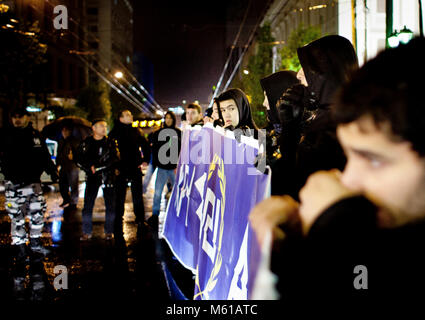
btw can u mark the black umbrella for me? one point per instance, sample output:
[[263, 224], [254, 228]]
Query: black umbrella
[[80, 127]]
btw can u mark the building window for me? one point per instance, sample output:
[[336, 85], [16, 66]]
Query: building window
[[92, 11], [60, 71], [381, 7], [71, 77]]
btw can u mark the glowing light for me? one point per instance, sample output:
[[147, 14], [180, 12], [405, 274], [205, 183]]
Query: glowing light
[[320, 6], [246, 71], [118, 75], [4, 8]]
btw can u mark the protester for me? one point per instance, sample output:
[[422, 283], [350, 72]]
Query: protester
[[98, 156], [166, 144], [194, 114], [308, 140], [362, 230], [274, 86], [134, 155], [235, 110], [68, 169], [24, 156]]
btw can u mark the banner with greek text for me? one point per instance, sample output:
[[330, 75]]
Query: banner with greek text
[[218, 182]]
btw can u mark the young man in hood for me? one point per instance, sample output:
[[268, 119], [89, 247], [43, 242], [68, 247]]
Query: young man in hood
[[362, 231], [308, 139], [166, 145]]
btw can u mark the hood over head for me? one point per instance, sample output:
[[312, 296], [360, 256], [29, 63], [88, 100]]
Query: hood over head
[[245, 116], [275, 85], [327, 63]]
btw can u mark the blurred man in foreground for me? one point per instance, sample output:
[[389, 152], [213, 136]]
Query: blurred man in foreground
[[358, 236]]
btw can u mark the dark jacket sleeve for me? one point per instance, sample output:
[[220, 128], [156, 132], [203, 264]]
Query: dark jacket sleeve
[[82, 159], [146, 148], [320, 265], [49, 165]]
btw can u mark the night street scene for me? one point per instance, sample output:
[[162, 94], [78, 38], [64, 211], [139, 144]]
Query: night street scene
[[193, 159]]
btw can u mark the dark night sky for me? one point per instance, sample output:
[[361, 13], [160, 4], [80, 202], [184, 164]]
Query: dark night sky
[[186, 42]]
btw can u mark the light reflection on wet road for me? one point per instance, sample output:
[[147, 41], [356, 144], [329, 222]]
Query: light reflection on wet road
[[97, 269]]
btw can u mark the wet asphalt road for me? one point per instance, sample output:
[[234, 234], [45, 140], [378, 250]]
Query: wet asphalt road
[[100, 270]]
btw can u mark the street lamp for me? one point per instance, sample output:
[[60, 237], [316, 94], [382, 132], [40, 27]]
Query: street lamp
[[118, 75], [393, 40], [403, 36], [246, 71]]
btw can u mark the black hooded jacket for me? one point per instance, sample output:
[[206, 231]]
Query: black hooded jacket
[[274, 86], [245, 117], [327, 64], [134, 148], [24, 155]]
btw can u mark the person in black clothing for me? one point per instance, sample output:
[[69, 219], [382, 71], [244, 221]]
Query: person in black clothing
[[98, 156], [308, 140], [134, 153], [24, 156], [233, 107], [361, 232], [68, 169], [234, 113], [166, 144], [274, 86]]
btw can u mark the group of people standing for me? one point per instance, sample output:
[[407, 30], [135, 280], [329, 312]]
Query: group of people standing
[[345, 145]]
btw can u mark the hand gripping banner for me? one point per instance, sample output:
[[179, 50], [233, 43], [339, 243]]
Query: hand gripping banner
[[218, 182]]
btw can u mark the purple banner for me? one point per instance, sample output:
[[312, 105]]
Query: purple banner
[[206, 225]]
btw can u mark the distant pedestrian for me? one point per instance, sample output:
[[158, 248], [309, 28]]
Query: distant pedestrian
[[98, 156], [68, 169], [166, 143], [135, 155]]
